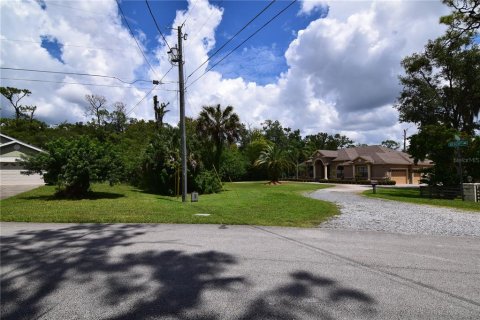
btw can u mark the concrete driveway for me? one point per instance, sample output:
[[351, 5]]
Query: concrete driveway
[[12, 183], [135, 271]]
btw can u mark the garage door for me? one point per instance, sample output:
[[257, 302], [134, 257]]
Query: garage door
[[10, 177], [399, 176], [416, 177]]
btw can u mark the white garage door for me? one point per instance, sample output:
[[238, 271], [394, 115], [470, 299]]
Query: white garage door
[[13, 177]]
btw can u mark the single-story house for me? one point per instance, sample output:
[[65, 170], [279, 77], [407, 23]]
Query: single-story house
[[11, 150], [366, 163]]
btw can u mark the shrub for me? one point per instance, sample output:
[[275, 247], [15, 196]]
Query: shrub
[[73, 164], [207, 182]]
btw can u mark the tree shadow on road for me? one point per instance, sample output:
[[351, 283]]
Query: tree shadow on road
[[308, 296], [37, 263], [146, 282]]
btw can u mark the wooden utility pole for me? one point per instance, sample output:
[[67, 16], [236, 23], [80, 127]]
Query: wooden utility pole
[[177, 57]]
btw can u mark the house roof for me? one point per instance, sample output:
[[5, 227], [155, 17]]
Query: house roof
[[11, 141], [372, 154]]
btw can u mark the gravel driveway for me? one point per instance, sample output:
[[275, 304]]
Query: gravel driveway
[[362, 213]]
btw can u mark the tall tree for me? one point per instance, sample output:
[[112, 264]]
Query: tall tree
[[442, 85], [219, 127], [465, 17], [118, 117], [14, 95], [441, 92], [96, 107], [28, 112], [325, 141], [391, 144]]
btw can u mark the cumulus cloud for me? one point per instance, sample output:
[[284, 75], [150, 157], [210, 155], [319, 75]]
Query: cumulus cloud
[[341, 71]]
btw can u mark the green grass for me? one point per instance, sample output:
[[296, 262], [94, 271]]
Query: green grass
[[251, 203], [412, 195]]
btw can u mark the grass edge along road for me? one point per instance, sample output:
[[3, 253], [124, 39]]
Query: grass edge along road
[[246, 203], [412, 195]]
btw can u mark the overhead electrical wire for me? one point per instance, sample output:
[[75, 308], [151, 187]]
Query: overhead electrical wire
[[234, 49], [134, 38], [156, 24], [79, 83], [148, 93], [75, 73], [233, 37]]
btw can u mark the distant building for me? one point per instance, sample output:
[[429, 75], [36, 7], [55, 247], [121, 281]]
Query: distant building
[[12, 150], [366, 163]]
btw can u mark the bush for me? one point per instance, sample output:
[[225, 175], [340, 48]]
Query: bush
[[73, 164], [207, 182], [232, 166]]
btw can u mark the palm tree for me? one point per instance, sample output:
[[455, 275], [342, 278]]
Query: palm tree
[[275, 160], [219, 127]]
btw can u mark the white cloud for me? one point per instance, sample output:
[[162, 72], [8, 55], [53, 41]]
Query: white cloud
[[341, 77]]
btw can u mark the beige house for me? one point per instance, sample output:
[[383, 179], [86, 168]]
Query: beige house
[[366, 163]]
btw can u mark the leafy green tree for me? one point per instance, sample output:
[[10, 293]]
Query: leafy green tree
[[74, 164], [275, 160], [465, 18], [391, 144], [118, 117], [14, 95], [160, 162], [325, 141], [441, 93], [441, 86], [232, 165], [220, 127]]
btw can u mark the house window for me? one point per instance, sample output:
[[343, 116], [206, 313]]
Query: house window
[[340, 172], [361, 172]]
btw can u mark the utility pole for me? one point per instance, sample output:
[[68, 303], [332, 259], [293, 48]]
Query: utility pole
[[405, 140], [178, 57]]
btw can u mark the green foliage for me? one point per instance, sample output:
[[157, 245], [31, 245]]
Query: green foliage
[[74, 164], [14, 95], [232, 165], [208, 182], [432, 142], [441, 94], [391, 144], [160, 162], [275, 161], [325, 141], [465, 18], [442, 85], [218, 127]]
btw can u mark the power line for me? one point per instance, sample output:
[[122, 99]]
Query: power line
[[134, 38], [75, 73], [231, 38], [149, 92], [156, 24], [253, 34], [79, 83]]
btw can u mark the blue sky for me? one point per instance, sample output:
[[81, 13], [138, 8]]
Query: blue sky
[[261, 59], [321, 66]]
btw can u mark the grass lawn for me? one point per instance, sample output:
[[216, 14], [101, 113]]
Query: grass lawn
[[249, 203], [412, 195]]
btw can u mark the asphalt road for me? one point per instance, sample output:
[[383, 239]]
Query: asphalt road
[[132, 271]]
